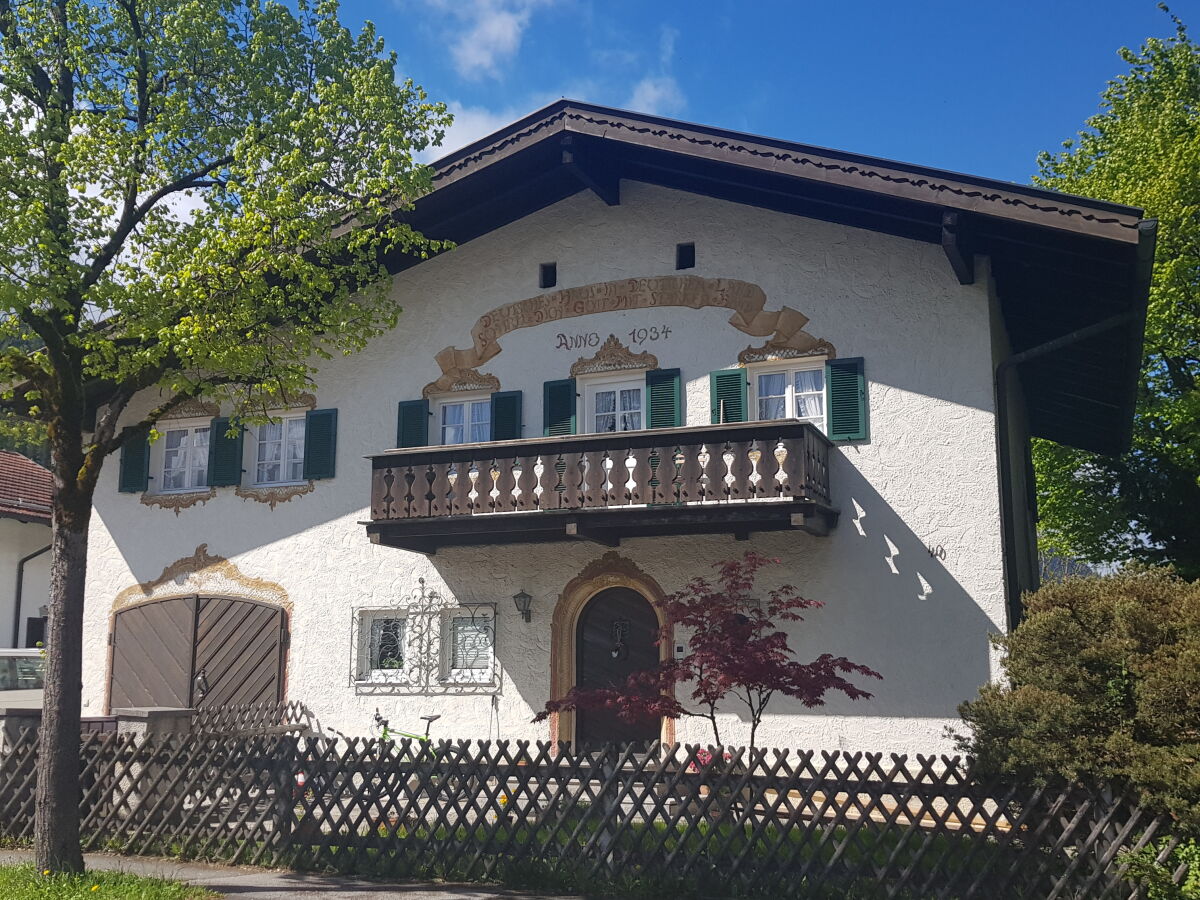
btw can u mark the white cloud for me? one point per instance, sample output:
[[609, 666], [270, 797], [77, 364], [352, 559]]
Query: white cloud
[[658, 93], [470, 124], [489, 32]]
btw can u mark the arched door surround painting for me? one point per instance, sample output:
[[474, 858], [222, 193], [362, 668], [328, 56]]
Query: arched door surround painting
[[201, 634], [598, 631]]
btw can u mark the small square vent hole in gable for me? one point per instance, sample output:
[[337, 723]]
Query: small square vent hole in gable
[[547, 275], [685, 256]]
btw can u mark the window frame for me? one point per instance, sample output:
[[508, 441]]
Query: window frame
[[364, 674], [788, 368], [466, 400], [191, 426], [447, 673], [281, 419], [591, 385]]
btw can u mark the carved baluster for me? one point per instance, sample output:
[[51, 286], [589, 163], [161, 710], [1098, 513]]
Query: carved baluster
[[794, 467], [657, 484], [381, 493], [691, 490], [473, 485], [423, 491], [639, 477], [557, 478], [439, 489], [526, 481], [497, 484], [740, 470], [572, 479], [405, 495], [675, 462], [594, 476]]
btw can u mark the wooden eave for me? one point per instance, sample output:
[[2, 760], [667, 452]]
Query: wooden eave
[[1059, 262]]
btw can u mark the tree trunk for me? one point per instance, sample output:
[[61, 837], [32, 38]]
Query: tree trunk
[[56, 811]]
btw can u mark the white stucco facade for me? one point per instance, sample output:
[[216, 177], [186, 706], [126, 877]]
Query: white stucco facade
[[911, 576]]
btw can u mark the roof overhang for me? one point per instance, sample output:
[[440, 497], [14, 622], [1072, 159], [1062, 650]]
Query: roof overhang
[[1060, 263]]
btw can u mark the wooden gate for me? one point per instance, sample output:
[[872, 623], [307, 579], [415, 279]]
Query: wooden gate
[[197, 652], [617, 636]]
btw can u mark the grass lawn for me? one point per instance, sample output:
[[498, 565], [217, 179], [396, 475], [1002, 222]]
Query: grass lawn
[[24, 883]]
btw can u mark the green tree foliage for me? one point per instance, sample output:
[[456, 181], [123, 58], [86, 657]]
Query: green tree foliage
[[197, 197], [1104, 686], [1143, 148]]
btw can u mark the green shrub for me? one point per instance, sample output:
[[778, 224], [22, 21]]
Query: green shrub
[[1104, 686]]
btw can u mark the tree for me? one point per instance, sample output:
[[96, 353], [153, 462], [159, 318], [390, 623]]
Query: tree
[[736, 650], [1103, 686], [198, 195], [1143, 148]]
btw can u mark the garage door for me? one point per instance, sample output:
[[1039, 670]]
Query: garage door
[[197, 652]]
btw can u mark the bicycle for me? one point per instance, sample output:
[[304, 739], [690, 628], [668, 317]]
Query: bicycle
[[386, 734]]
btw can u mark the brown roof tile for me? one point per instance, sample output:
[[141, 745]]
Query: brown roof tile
[[25, 488]]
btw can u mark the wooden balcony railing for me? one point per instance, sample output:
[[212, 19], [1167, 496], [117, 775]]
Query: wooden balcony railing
[[720, 478]]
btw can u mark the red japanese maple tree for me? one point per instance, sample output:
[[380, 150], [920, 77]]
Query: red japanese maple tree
[[736, 649]]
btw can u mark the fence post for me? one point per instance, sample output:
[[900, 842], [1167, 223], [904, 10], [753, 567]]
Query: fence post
[[149, 781], [144, 720], [14, 720]]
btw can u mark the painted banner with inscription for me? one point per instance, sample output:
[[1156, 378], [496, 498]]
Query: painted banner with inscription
[[784, 327]]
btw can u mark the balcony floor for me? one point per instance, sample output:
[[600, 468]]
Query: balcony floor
[[603, 526]]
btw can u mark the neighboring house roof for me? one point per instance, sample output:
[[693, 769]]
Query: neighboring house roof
[[1059, 263], [25, 489]]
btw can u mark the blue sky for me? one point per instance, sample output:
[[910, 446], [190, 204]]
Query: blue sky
[[967, 85]]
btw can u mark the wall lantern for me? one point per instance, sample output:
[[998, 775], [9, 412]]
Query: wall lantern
[[524, 603]]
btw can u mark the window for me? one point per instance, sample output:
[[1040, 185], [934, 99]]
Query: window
[[280, 454], [383, 647], [468, 642], [685, 256], [467, 421], [185, 459], [615, 405], [793, 393], [387, 643]]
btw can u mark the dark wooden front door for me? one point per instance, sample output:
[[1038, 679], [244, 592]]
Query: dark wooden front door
[[197, 652], [616, 637]]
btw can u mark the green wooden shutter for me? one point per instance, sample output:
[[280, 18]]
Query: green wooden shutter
[[506, 415], [558, 407], [727, 395], [224, 453], [665, 399], [135, 461], [412, 423], [846, 400], [320, 443]]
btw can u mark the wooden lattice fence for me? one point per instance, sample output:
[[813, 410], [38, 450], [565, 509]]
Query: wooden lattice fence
[[779, 824]]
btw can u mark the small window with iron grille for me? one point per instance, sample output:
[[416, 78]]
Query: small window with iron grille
[[469, 645], [382, 647]]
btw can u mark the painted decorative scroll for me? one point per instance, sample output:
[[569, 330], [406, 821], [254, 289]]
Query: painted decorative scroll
[[784, 328]]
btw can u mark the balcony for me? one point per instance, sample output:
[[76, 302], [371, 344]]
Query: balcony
[[718, 479]]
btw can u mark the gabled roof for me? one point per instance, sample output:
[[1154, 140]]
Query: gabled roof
[[25, 489], [1060, 263]]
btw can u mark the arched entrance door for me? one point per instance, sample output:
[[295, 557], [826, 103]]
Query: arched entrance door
[[197, 652], [616, 636]]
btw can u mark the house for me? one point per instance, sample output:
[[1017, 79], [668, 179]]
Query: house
[[656, 345], [25, 489]]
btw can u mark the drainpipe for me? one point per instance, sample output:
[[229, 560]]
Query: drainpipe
[[20, 589], [1147, 232]]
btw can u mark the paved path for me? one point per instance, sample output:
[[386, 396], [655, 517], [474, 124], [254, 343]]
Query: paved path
[[247, 883]]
